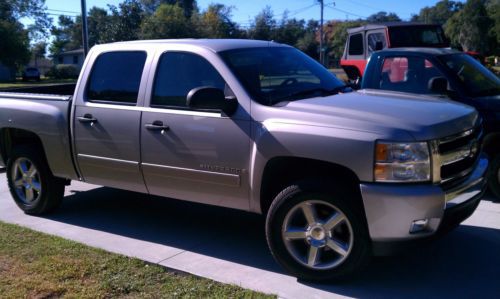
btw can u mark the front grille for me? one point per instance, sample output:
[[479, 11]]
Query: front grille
[[457, 155]]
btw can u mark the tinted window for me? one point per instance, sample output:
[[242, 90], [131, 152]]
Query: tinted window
[[180, 72], [417, 36], [356, 44], [116, 77], [275, 74], [373, 39], [408, 74], [474, 77]]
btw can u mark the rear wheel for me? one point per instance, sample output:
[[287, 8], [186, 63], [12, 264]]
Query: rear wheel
[[34, 189], [315, 233]]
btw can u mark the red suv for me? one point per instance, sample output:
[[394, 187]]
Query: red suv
[[364, 40]]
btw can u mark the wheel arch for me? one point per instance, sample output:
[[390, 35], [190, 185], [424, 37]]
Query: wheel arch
[[12, 137], [279, 172]]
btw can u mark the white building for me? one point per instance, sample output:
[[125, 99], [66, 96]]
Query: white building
[[73, 57]]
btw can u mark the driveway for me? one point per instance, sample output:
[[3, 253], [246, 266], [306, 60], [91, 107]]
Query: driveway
[[229, 246]]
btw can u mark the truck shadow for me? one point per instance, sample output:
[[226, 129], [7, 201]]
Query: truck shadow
[[464, 263]]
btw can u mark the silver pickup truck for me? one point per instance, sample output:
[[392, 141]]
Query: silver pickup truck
[[256, 126]]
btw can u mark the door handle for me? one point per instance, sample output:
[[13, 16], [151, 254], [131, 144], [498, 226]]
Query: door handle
[[157, 126], [87, 118]]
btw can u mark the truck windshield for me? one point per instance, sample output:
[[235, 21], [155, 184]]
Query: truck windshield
[[477, 80], [417, 36], [276, 74]]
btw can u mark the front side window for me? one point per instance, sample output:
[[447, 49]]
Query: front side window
[[408, 74], [180, 72], [116, 77], [276, 74], [474, 77], [356, 44]]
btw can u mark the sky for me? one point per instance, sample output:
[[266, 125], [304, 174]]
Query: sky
[[245, 10]]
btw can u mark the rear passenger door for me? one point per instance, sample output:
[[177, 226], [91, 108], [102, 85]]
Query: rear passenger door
[[107, 121], [200, 156]]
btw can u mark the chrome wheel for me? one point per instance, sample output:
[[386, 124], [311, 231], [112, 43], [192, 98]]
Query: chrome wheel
[[26, 179], [317, 234]]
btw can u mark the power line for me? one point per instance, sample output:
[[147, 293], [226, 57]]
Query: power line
[[67, 11], [345, 11]]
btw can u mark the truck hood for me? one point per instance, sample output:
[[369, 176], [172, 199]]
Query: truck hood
[[386, 113]]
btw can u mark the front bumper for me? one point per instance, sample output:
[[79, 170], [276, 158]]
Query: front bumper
[[393, 209]]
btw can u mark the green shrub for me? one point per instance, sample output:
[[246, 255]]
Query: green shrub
[[63, 71]]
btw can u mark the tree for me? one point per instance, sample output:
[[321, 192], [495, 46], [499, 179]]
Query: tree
[[470, 28], [383, 16], [289, 31], [308, 43], [493, 9], [215, 22], [188, 6], [14, 37], [67, 35], [439, 13], [38, 50], [168, 21], [263, 26], [126, 21]]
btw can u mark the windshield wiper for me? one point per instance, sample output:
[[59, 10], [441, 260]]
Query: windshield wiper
[[303, 93]]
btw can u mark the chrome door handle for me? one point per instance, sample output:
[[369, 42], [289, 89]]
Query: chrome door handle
[[157, 126], [87, 118]]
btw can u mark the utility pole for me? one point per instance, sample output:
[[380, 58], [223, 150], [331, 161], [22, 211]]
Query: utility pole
[[85, 33], [321, 50]]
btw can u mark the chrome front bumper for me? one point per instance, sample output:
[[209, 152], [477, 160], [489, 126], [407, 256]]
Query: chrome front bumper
[[392, 210]]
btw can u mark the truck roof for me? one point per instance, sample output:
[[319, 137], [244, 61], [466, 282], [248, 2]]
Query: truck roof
[[384, 25], [215, 45], [428, 51]]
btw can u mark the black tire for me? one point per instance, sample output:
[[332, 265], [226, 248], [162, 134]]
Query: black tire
[[313, 191], [51, 189], [494, 177]]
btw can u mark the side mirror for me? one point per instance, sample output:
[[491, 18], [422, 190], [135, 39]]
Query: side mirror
[[211, 98], [438, 85], [379, 45]]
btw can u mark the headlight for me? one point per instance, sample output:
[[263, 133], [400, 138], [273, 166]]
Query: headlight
[[402, 162]]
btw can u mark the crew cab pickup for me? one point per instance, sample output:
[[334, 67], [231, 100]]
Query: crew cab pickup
[[256, 126], [446, 74], [364, 40]]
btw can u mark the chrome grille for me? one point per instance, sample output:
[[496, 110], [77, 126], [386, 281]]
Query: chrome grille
[[455, 157]]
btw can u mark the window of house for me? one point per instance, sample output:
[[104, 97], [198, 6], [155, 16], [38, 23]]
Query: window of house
[[356, 44], [75, 59], [60, 59], [180, 72], [116, 77]]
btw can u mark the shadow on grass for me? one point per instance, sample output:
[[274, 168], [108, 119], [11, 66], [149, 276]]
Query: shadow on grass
[[464, 263]]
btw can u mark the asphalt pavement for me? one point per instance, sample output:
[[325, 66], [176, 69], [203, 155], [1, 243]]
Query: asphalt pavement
[[229, 246]]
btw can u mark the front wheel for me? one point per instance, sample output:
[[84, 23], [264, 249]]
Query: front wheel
[[494, 177], [315, 233], [34, 189]]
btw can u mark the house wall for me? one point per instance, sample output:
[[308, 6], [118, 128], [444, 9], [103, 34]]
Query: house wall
[[69, 59]]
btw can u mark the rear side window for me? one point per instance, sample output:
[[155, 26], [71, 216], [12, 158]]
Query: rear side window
[[178, 73], [373, 39], [116, 77], [356, 44]]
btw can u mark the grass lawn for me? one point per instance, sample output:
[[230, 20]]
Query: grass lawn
[[37, 265], [20, 83]]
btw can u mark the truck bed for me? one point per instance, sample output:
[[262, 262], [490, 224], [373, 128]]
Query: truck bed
[[66, 89], [43, 111]]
